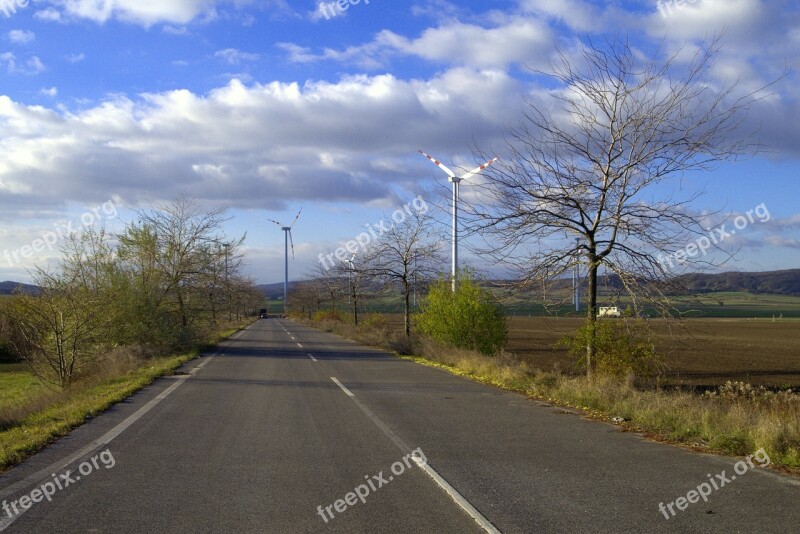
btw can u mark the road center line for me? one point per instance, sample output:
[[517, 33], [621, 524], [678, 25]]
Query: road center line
[[312, 357], [347, 391], [459, 499]]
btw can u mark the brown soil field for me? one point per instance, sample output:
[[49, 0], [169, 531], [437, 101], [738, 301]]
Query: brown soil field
[[697, 352]]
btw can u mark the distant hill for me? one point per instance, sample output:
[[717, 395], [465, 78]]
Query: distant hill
[[8, 288], [274, 291], [771, 282]]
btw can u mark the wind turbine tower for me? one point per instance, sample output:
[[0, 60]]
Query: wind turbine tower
[[456, 181], [287, 238]]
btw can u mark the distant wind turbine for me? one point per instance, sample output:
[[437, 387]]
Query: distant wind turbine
[[287, 237], [456, 181]]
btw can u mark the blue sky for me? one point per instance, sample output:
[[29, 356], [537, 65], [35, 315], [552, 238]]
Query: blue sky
[[267, 106]]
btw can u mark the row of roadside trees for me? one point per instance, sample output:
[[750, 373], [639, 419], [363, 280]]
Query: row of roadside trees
[[162, 284]]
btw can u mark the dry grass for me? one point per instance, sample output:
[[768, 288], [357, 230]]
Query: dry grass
[[729, 422]]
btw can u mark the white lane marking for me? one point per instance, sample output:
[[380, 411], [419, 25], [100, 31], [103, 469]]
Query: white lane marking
[[312, 357], [299, 344], [347, 391], [459, 499], [103, 440], [203, 364]]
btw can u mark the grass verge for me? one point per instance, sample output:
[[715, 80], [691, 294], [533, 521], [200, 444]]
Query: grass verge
[[51, 415], [737, 419]]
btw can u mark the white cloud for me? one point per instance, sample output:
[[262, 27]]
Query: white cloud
[[251, 146], [783, 242], [518, 40], [75, 58], [34, 65], [235, 57], [579, 15], [148, 12], [49, 91], [510, 41], [49, 14], [31, 66], [21, 36], [692, 20], [175, 30]]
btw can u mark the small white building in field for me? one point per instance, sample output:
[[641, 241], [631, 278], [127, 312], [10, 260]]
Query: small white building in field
[[609, 311]]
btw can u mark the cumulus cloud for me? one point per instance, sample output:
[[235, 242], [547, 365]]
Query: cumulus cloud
[[250, 146], [21, 36], [783, 242], [235, 57], [510, 41], [75, 58], [144, 12], [49, 14], [31, 66]]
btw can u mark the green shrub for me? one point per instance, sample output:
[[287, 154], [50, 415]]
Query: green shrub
[[621, 348], [375, 321], [327, 315], [470, 318]]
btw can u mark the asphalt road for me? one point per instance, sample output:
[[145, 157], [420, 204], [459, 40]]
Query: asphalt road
[[286, 429]]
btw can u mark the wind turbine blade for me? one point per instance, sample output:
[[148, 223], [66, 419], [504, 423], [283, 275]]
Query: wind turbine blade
[[441, 165], [276, 222], [291, 241], [473, 172], [295, 219]]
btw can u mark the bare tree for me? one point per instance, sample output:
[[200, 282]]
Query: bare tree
[[306, 297], [67, 326], [407, 255], [329, 283], [355, 273], [182, 267], [594, 169], [179, 244]]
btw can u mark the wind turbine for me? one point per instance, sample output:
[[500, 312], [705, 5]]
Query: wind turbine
[[456, 181], [287, 237]]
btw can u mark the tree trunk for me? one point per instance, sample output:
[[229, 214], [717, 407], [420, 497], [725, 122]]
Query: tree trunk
[[407, 310], [355, 306], [591, 313]]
